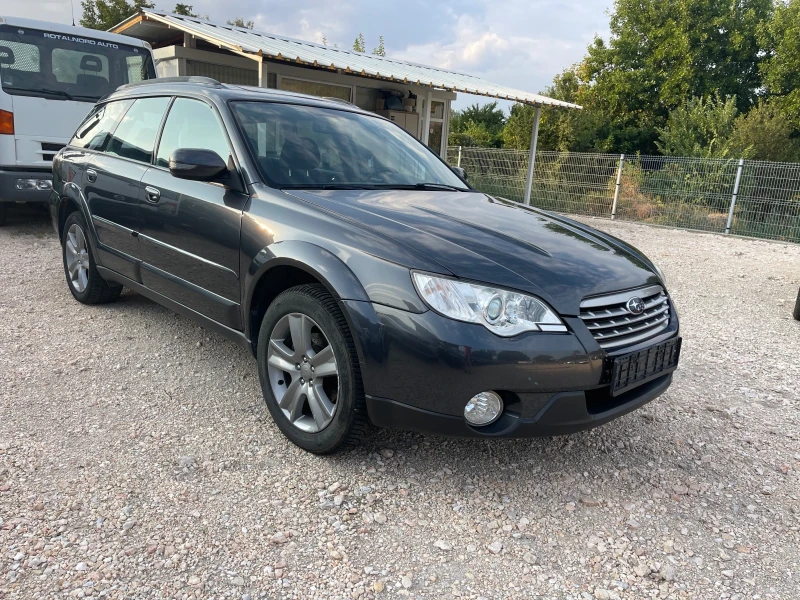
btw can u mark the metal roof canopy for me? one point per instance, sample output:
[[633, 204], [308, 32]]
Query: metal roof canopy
[[256, 44]]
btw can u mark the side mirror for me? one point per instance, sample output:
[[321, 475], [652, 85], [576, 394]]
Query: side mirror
[[460, 172], [197, 164]]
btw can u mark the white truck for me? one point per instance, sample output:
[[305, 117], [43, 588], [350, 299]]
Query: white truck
[[50, 77]]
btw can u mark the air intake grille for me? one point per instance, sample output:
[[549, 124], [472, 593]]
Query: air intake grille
[[50, 150], [613, 325]]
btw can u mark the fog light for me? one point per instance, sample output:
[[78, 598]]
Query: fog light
[[34, 184], [483, 409]]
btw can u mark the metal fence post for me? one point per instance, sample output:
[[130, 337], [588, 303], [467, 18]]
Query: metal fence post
[[458, 164], [616, 189], [735, 194]]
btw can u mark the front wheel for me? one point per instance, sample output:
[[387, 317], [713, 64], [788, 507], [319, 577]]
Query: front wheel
[[796, 313], [309, 373], [83, 279]]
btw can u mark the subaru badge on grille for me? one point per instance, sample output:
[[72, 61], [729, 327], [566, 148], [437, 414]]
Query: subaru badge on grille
[[635, 306]]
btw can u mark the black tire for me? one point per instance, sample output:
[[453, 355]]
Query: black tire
[[796, 313], [350, 423], [3, 214], [98, 290]]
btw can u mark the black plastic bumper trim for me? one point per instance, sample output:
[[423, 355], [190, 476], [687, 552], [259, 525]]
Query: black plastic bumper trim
[[564, 413]]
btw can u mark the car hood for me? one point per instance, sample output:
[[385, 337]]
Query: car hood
[[482, 238]]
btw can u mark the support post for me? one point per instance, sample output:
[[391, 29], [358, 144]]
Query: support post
[[616, 189], [735, 194], [458, 164], [426, 123], [262, 73], [532, 157]]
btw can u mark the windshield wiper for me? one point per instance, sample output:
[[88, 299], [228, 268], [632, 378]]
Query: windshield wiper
[[374, 186], [38, 91], [328, 186], [420, 186]]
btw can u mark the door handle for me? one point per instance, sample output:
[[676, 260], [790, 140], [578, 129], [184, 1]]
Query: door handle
[[152, 194], [91, 175]]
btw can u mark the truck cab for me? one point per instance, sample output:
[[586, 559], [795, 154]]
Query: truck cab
[[51, 75]]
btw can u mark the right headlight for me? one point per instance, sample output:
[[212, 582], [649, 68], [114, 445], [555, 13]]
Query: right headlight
[[503, 312]]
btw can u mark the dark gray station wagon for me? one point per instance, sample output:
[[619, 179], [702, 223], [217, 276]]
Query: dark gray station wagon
[[374, 286]]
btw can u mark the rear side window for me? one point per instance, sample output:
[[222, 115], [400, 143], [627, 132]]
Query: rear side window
[[191, 124], [136, 135], [97, 128]]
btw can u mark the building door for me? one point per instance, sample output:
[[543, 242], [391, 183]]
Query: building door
[[437, 135]]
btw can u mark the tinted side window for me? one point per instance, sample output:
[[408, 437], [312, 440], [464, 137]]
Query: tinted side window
[[191, 124], [97, 128], [136, 135]]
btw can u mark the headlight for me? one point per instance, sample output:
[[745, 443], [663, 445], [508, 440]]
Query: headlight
[[502, 312]]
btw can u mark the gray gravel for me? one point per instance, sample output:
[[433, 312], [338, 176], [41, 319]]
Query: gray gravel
[[137, 460]]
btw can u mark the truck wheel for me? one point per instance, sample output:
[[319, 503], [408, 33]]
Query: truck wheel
[[3, 213]]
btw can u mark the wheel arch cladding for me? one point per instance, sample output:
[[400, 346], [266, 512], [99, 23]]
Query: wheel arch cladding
[[284, 265]]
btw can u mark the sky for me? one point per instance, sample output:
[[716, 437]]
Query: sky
[[519, 43]]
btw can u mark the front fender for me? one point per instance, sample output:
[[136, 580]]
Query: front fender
[[313, 259]]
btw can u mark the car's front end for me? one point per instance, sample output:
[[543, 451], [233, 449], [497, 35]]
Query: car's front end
[[425, 372], [534, 326]]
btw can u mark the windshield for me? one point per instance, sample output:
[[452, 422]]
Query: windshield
[[311, 147], [60, 66]]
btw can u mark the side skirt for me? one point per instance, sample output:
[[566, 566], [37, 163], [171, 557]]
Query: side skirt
[[210, 324]]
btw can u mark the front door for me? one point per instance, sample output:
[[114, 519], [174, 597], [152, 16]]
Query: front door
[[189, 231], [112, 176]]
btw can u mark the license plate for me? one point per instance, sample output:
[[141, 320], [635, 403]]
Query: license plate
[[640, 367]]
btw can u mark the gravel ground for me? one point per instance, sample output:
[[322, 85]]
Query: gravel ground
[[137, 460]]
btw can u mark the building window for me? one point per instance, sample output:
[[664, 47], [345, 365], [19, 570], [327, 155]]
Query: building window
[[316, 88]]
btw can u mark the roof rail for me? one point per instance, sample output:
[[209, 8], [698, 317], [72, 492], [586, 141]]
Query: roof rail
[[335, 99], [157, 80]]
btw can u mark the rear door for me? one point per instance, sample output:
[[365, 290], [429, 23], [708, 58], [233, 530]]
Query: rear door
[[112, 183], [190, 230]]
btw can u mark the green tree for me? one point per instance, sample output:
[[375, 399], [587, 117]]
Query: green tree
[[781, 69], [359, 45], [766, 133], [381, 49], [559, 129], [477, 125], [701, 128], [104, 14], [184, 9], [240, 22], [661, 53]]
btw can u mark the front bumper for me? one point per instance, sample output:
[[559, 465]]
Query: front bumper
[[8, 186], [419, 370]]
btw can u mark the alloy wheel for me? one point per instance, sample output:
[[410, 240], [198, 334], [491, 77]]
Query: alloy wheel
[[77, 255], [302, 372]]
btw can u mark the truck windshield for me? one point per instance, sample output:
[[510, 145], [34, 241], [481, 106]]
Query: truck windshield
[[311, 147], [66, 67]]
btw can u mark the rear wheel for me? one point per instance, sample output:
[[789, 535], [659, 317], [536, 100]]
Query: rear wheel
[[309, 372], [83, 279], [796, 313], [3, 213]]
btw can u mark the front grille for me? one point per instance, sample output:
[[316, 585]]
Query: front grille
[[614, 326], [50, 150]]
